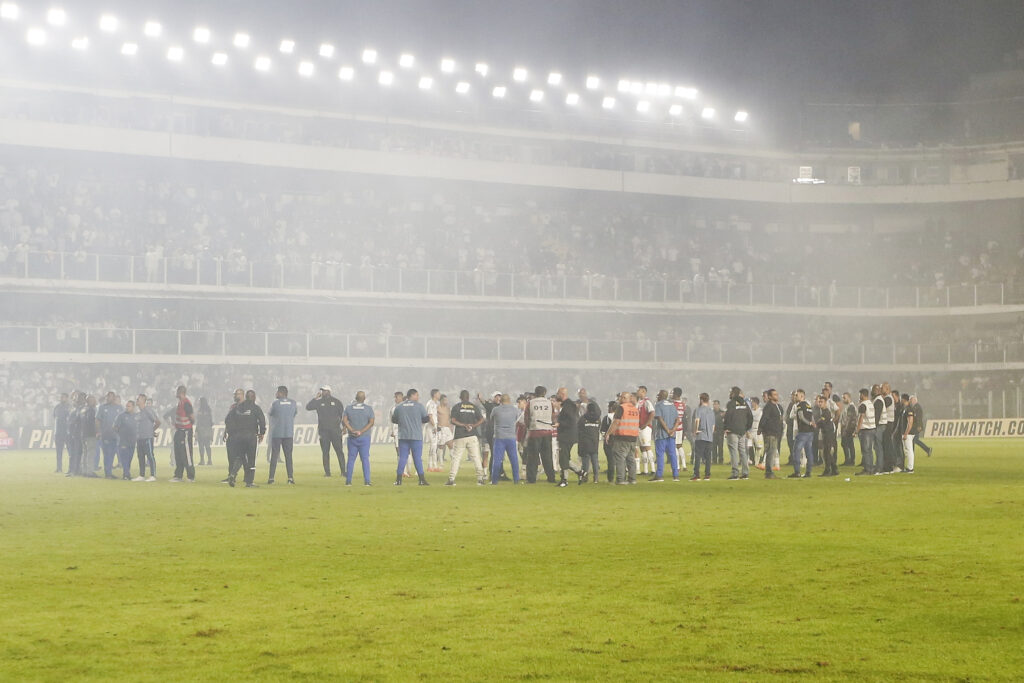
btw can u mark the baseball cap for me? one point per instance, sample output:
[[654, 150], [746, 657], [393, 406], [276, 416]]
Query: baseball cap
[[325, 387]]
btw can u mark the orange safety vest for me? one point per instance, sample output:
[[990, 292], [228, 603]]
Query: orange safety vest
[[629, 423]]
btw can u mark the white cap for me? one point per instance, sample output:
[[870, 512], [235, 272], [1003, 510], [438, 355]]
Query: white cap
[[326, 387], [496, 393]]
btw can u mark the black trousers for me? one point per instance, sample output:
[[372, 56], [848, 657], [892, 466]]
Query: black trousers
[[328, 439], [827, 441], [849, 450], [244, 457], [205, 444], [718, 456], [538, 451], [59, 442], [277, 445], [889, 448], [565, 457], [76, 464], [184, 461], [610, 459]]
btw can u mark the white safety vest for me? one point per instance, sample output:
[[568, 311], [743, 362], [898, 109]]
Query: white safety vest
[[869, 414]]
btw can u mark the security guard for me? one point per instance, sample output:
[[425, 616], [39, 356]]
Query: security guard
[[245, 426]]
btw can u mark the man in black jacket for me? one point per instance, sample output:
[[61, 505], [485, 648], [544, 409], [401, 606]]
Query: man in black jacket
[[738, 421], [718, 448], [771, 427], [329, 411], [245, 425], [826, 430]]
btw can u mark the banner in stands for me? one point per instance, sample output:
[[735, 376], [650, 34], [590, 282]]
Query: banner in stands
[[305, 435], [982, 429]]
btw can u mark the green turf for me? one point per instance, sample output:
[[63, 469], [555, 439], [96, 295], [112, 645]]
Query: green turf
[[881, 578]]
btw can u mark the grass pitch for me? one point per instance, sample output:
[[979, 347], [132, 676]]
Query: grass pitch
[[880, 578]]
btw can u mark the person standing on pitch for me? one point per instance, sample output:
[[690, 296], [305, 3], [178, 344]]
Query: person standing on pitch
[[184, 458], [74, 441], [738, 421], [105, 416], [666, 420], [328, 416], [590, 441], [567, 436], [866, 431], [827, 437], [804, 441], [704, 436], [430, 432], [358, 420], [881, 428], [60, 430], [718, 455], [204, 431], [410, 416], [148, 423], [847, 429], [910, 431], [90, 437], [247, 424], [282, 432], [609, 456], [504, 418], [918, 411], [127, 431], [623, 434], [230, 444], [771, 427], [645, 458], [466, 417], [683, 426], [540, 427]]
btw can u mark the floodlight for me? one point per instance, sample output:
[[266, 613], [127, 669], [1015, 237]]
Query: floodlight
[[386, 78], [482, 68], [406, 60], [241, 40], [108, 23], [643, 106], [80, 43], [35, 36], [201, 35], [426, 82], [572, 99], [56, 17], [636, 87], [499, 91], [306, 69], [447, 65], [262, 63], [9, 11], [129, 49], [219, 59], [707, 113], [676, 110], [287, 46], [554, 78], [346, 73], [369, 56], [608, 103], [519, 74], [623, 86], [536, 95], [593, 82], [152, 29], [741, 116], [462, 87], [326, 50], [686, 93], [175, 53]]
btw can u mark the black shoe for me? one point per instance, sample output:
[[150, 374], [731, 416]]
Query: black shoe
[[769, 475], [291, 481], [734, 477], [226, 480], [929, 452], [744, 476], [807, 475], [398, 482], [795, 475], [563, 483], [269, 482], [231, 482], [423, 482], [450, 482], [503, 477]]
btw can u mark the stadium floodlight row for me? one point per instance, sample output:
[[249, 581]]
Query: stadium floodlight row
[[537, 87]]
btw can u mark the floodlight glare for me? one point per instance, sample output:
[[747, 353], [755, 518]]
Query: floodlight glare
[[676, 110], [129, 49], [108, 23], [664, 90], [499, 91], [519, 74], [287, 46], [636, 87], [175, 53], [56, 17], [426, 82], [536, 95], [326, 50], [80, 43], [623, 86], [686, 93], [369, 56], [219, 59], [152, 29], [707, 113], [447, 65], [262, 63], [650, 88], [462, 87], [35, 36], [346, 73], [482, 68], [572, 99], [201, 35], [306, 69], [9, 11], [608, 103], [741, 116], [241, 40], [406, 61], [386, 78], [554, 78], [643, 106], [593, 82]]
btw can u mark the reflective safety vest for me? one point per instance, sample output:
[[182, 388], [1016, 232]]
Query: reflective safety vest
[[629, 423]]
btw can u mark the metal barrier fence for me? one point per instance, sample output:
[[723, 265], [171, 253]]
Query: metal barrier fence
[[103, 341], [336, 277]]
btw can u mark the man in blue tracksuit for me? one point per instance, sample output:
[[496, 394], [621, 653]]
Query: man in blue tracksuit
[[410, 416], [666, 419], [358, 420], [105, 416], [126, 427], [282, 432]]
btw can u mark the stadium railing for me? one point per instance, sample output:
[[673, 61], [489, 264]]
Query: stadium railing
[[336, 277]]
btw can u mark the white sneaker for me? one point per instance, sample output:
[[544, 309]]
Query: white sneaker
[[139, 479], [150, 478]]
